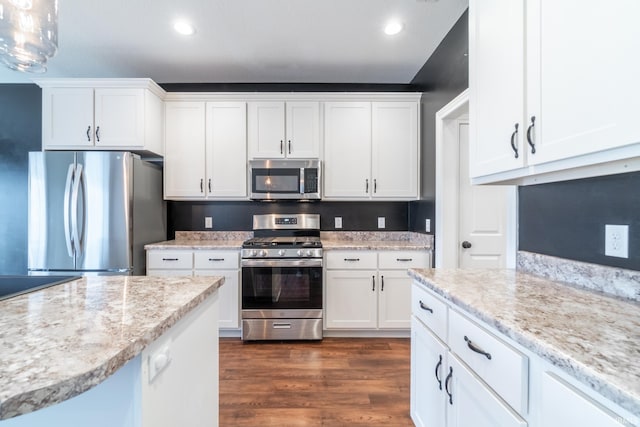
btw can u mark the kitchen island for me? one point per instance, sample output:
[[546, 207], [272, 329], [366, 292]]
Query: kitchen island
[[117, 350], [586, 339]]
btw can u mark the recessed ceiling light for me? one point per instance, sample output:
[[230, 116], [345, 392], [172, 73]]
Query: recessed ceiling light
[[184, 28], [392, 28]]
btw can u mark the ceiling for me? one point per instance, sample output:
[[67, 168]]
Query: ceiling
[[247, 41]]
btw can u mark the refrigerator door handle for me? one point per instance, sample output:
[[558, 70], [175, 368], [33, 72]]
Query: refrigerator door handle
[[67, 196], [74, 208]]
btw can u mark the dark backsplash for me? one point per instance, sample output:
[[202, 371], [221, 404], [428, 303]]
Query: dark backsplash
[[567, 219], [230, 215]]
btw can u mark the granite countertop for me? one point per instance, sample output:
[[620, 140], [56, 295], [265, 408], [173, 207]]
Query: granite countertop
[[196, 245], [592, 336], [375, 240], [60, 341]]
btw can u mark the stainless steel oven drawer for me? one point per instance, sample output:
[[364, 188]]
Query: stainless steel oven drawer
[[281, 329]]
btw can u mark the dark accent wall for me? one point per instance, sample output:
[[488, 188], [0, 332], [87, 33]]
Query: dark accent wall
[[443, 77], [20, 132], [229, 216], [567, 219]]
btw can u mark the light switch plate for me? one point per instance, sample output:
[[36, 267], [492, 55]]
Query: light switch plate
[[616, 241], [208, 222], [338, 222], [381, 222]]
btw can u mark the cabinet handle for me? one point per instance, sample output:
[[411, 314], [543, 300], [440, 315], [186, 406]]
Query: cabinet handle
[[404, 259], [201, 185], [425, 308], [281, 142], [98, 134], [438, 365], [216, 259], [373, 279], [289, 146], [366, 189], [513, 141], [170, 259], [477, 349], [381, 283], [375, 185], [529, 137], [352, 259], [446, 385], [88, 133], [209, 185]]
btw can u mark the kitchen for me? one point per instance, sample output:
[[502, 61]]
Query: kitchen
[[569, 220]]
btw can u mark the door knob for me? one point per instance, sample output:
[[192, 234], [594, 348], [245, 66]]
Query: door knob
[[466, 244]]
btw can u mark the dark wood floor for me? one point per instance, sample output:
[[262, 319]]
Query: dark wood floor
[[335, 382]]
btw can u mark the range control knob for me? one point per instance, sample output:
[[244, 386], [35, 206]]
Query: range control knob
[[281, 252], [299, 253], [309, 252], [263, 253], [253, 252]]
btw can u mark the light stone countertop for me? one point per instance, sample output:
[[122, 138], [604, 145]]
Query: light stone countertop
[[376, 240], [592, 336], [60, 341], [196, 245]]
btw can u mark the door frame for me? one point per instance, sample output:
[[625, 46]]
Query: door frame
[[448, 119]]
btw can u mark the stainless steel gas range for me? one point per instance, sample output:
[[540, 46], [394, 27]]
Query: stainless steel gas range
[[282, 278]]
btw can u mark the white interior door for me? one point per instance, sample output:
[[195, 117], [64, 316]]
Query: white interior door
[[482, 237]]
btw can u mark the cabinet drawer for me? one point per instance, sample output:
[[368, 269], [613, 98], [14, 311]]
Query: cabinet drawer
[[216, 260], [352, 260], [403, 259], [430, 310], [170, 259], [501, 366]]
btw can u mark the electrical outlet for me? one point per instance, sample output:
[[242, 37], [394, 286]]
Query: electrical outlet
[[427, 225], [208, 222], [616, 241], [381, 222], [337, 222]]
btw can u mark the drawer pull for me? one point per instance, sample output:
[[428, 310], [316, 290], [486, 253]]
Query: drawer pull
[[425, 308], [404, 259], [282, 326], [437, 369], [475, 348], [446, 385], [352, 259], [216, 259], [170, 259]]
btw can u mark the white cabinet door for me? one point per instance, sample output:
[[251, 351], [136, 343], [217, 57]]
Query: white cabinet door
[[228, 296], [302, 130], [428, 364], [586, 77], [562, 406], [351, 299], [67, 118], [184, 159], [394, 155], [226, 149], [119, 118], [394, 299], [471, 403], [347, 150], [496, 82], [266, 129]]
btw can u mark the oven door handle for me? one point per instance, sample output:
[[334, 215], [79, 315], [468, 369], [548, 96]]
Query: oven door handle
[[281, 262]]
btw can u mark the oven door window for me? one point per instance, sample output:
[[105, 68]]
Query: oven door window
[[281, 288], [275, 180]]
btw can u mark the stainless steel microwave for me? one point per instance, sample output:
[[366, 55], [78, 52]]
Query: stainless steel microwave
[[285, 179]]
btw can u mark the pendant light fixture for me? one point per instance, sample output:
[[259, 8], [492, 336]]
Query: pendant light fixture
[[28, 34]]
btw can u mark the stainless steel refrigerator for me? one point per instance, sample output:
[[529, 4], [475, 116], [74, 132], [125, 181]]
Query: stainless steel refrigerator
[[92, 212]]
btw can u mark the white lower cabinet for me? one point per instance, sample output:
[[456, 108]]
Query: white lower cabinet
[[370, 289], [465, 373], [225, 263]]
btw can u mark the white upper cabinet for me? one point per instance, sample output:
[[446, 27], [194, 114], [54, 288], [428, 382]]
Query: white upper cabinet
[[562, 72], [205, 153], [371, 150], [284, 129], [116, 114]]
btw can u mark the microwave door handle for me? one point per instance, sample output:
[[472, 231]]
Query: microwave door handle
[[301, 180]]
